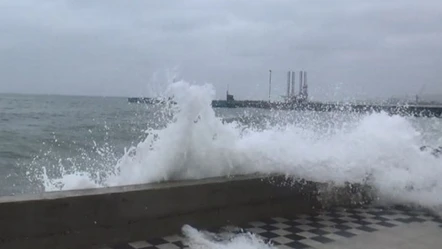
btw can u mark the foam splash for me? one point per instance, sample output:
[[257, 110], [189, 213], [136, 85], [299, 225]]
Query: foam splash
[[194, 145], [205, 240], [198, 144]]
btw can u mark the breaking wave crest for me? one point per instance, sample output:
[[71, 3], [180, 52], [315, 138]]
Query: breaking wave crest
[[322, 147]]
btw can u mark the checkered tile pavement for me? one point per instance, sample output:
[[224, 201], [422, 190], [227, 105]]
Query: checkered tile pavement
[[308, 231]]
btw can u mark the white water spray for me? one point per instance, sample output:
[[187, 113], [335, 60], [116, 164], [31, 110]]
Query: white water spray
[[205, 240], [197, 144]]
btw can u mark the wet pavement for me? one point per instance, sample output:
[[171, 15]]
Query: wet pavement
[[358, 228]]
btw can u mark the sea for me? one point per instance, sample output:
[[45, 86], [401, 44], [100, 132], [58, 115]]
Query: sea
[[53, 143]]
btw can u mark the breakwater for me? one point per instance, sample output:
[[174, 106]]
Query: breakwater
[[414, 110], [405, 110]]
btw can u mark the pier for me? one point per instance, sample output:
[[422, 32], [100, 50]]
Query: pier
[[404, 110], [300, 102]]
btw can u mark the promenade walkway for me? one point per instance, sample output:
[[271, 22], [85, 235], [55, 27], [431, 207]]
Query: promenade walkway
[[359, 228]]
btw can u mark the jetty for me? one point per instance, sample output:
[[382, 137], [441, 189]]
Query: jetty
[[301, 105], [404, 110], [300, 102]]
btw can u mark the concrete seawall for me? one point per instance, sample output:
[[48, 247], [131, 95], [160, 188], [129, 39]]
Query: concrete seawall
[[91, 218]]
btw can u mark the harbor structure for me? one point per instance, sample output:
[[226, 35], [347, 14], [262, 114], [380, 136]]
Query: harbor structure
[[300, 102]]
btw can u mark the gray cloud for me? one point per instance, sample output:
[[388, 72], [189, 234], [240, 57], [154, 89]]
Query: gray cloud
[[349, 47]]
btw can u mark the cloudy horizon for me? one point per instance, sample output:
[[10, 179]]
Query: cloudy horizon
[[350, 48]]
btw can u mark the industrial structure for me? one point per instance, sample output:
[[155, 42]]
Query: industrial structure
[[289, 100], [303, 87]]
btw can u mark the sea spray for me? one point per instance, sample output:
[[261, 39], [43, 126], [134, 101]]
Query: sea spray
[[225, 240], [195, 144], [376, 149]]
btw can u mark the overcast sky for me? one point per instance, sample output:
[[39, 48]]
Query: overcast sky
[[117, 47]]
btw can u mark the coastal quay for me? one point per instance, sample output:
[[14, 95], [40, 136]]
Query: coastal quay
[[406, 110], [300, 102]]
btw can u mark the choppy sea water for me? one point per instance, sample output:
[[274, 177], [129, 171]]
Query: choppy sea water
[[50, 143], [52, 131]]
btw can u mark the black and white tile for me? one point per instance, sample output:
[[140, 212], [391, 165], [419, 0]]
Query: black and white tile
[[310, 231]]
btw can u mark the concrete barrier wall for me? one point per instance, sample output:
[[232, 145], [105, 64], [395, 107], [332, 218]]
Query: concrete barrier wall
[[91, 218]]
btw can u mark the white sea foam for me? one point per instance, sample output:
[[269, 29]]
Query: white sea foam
[[197, 144], [205, 240]]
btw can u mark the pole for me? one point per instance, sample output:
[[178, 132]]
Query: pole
[[305, 78], [300, 83], [305, 87], [288, 84], [270, 83], [293, 84]]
